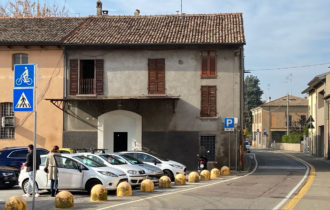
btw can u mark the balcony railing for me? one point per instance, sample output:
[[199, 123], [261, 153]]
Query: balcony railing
[[86, 86]]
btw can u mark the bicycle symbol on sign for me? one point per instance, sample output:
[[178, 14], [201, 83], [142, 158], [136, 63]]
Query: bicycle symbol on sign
[[24, 78]]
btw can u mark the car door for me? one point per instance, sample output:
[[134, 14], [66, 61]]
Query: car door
[[69, 177], [41, 176]]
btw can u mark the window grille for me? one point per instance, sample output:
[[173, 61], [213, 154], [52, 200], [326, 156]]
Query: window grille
[[208, 144], [7, 121]]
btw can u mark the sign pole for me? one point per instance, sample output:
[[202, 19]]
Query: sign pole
[[236, 151], [229, 150], [34, 141]]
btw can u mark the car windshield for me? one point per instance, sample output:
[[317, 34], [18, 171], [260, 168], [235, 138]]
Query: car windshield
[[113, 160], [88, 161], [131, 159]]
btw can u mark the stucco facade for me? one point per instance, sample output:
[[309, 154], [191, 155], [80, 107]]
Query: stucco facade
[[50, 66], [173, 121], [318, 108], [270, 120]]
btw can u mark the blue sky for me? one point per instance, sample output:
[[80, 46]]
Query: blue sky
[[279, 33]]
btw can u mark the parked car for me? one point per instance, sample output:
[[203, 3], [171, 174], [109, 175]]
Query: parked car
[[135, 174], [66, 150], [75, 172], [15, 156], [8, 176], [153, 173], [169, 167]]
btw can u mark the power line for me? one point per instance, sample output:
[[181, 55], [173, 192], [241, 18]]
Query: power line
[[291, 67]]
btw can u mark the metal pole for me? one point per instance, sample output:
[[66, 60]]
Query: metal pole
[[287, 115], [34, 142], [236, 151], [229, 150], [181, 7]]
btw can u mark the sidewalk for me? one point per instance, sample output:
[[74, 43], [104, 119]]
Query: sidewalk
[[318, 195]]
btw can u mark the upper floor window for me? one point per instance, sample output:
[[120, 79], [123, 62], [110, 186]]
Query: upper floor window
[[86, 76], [7, 121], [156, 76], [19, 58], [208, 64], [208, 101]]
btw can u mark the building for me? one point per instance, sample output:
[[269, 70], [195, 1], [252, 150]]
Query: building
[[270, 119], [31, 40], [318, 108], [163, 83]]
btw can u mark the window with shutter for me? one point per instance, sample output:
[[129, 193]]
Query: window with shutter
[[156, 76], [99, 68], [208, 101], [73, 76], [208, 64]]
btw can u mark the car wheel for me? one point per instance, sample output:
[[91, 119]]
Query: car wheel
[[169, 174], [25, 185], [91, 183]]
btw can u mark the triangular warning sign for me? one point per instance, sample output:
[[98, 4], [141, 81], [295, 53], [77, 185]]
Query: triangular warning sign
[[23, 102]]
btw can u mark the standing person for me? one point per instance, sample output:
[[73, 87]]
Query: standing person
[[51, 169], [29, 169]]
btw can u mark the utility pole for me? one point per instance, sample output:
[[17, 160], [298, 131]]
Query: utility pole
[[287, 113]]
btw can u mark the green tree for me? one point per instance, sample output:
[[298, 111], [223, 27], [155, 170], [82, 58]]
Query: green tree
[[31, 8], [252, 99]]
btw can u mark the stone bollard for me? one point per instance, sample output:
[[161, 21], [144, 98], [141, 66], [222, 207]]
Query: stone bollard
[[180, 179], [15, 203], [215, 173], [205, 175], [64, 200], [124, 189], [99, 193], [225, 170], [164, 182], [147, 186], [193, 177]]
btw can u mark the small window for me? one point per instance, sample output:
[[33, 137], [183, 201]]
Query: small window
[[20, 58], [7, 121], [321, 99], [208, 147], [19, 154], [208, 64]]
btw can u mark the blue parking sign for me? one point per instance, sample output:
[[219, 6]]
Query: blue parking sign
[[23, 100], [24, 75], [229, 124]]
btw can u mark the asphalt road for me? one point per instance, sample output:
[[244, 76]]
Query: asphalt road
[[276, 175]]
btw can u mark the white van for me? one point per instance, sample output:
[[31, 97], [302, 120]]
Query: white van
[[75, 172]]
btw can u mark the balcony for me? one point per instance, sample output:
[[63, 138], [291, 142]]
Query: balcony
[[86, 86]]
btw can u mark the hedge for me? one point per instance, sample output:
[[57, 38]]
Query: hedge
[[292, 138]]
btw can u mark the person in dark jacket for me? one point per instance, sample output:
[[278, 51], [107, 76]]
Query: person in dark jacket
[[29, 169]]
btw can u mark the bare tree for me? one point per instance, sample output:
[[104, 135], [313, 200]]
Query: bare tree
[[31, 8]]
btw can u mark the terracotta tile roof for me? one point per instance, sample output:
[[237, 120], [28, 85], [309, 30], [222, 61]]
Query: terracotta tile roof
[[38, 31], [315, 82], [216, 29], [295, 101]]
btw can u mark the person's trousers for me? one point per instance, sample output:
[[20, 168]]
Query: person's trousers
[[53, 186], [31, 182]]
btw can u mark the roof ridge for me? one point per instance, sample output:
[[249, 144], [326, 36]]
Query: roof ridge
[[1, 17], [168, 15]]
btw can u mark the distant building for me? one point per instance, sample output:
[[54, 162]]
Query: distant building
[[270, 119], [318, 108]]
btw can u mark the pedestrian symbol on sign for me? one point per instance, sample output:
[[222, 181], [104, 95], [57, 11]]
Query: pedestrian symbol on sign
[[23, 102]]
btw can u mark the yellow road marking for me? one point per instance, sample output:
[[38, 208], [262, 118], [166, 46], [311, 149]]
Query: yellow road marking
[[293, 202]]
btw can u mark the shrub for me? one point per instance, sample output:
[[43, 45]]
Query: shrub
[[292, 138]]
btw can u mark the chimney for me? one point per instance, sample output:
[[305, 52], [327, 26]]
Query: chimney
[[98, 8], [137, 12]]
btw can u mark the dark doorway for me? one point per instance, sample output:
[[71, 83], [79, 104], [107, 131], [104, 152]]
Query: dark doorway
[[119, 141]]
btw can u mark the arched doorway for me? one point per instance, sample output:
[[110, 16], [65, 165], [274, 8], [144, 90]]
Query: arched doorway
[[119, 130]]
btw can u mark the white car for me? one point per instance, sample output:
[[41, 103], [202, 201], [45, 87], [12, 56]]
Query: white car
[[135, 174], [169, 167], [75, 172], [153, 173]]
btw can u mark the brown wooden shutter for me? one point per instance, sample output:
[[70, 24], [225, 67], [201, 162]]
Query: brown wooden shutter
[[152, 76], [160, 76], [99, 78], [212, 101], [204, 101], [204, 64], [74, 76], [213, 68]]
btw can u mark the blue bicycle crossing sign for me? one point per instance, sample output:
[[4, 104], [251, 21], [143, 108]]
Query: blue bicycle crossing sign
[[24, 75], [23, 100]]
